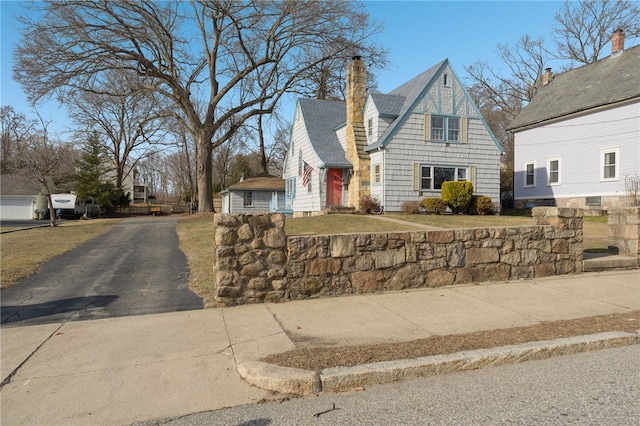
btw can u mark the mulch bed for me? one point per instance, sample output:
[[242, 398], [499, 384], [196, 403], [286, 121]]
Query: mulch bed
[[316, 359]]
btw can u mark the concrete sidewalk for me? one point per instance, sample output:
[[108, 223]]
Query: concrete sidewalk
[[123, 370]]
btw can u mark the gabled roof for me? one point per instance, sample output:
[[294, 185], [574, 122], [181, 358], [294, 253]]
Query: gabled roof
[[262, 182], [410, 92], [610, 80], [18, 185], [321, 119], [388, 105]]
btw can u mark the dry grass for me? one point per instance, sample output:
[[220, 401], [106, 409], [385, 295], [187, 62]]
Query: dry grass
[[340, 224], [22, 252], [319, 358], [196, 235]]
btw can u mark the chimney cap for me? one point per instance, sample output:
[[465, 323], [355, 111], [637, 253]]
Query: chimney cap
[[356, 57]]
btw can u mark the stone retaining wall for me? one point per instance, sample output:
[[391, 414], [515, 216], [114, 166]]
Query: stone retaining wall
[[254, 261], [624, 230]]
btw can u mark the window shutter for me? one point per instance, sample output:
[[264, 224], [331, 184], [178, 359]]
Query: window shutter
[[416, 176], [472, 178], [463, 129], [427, 127]]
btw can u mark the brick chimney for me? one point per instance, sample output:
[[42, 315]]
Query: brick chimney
[[546, 77], [617, 41], [356, 136]]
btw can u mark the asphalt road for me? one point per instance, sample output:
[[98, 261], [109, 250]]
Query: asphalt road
[[592, 388], [134, 269]]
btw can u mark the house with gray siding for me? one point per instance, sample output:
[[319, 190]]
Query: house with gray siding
[[577, 143], [258, 194], [397, 147]]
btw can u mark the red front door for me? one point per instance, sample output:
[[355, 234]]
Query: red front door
[[334, 187]]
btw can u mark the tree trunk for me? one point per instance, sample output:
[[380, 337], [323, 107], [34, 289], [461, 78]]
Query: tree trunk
[[52, 212], [204, 171]]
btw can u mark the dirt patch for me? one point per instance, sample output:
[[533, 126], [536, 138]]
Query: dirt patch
[[317, 359]]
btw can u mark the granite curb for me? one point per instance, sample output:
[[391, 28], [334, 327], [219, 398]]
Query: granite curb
[[295, 381]]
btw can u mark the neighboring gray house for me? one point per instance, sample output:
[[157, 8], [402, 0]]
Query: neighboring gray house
[[577, 143], [18, 196], [257, 194], [397, 147]]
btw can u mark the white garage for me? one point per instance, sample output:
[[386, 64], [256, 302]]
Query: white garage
[[17, 197], [17, 207]]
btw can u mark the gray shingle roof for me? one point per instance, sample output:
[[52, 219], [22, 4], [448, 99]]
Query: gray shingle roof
[[389, 105], [612, 79], [18, 185], [260, 183], [321, 118], [411, 91]]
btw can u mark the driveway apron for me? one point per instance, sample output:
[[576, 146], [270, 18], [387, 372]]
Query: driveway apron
[[136, 268]]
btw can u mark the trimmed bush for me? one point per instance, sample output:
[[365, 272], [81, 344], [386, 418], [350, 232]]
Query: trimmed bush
[[367, 203], [411, 207], [480, 205], [458, 195], [434, 205]]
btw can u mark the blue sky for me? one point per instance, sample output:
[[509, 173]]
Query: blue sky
[[418, 35]]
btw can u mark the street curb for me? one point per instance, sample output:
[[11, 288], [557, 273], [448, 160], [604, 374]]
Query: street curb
[[303, 382], [280, 379]]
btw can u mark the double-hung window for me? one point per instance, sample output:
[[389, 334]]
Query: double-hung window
[[377, 174], [247, 199], [609, 159], [553, 171], [529, 174], [446, 129]]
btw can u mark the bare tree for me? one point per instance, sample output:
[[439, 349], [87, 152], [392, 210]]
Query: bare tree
[[15, 133], [130, 121], [218, 63], [585, 27], [50, 163], [510, 90]]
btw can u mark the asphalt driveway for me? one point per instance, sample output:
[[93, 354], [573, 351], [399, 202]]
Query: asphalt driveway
[[134, 269]]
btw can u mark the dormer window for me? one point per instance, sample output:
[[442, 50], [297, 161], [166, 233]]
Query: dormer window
[[370, 128]]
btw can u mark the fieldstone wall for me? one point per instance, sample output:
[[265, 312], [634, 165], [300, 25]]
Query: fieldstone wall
[[256, 262], [624, 230]]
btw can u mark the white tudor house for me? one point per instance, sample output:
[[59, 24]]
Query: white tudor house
[[577, 143], [396, 147]]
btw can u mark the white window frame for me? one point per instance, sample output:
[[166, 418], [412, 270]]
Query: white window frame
[[247, 195], [431, 177], [526, 174], [300, 163], [377, 174], [445, 129], [310, 182], [615, 165], [370, 128], [549, 171]]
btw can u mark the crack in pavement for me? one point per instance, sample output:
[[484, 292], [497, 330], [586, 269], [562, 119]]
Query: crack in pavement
[[7, 380]]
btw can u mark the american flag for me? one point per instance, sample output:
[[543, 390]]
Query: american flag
[[306, 173]]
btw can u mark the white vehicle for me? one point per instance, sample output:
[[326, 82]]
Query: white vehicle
[[67, 205]]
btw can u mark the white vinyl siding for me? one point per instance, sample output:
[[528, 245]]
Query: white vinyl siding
[[580, 142]]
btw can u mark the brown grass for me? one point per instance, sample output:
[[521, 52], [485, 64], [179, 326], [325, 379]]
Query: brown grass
[[340, 224], [196, 235], [319, 358], [22, 252]]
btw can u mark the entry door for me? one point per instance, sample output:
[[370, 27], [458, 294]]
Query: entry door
[[334, 187]]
